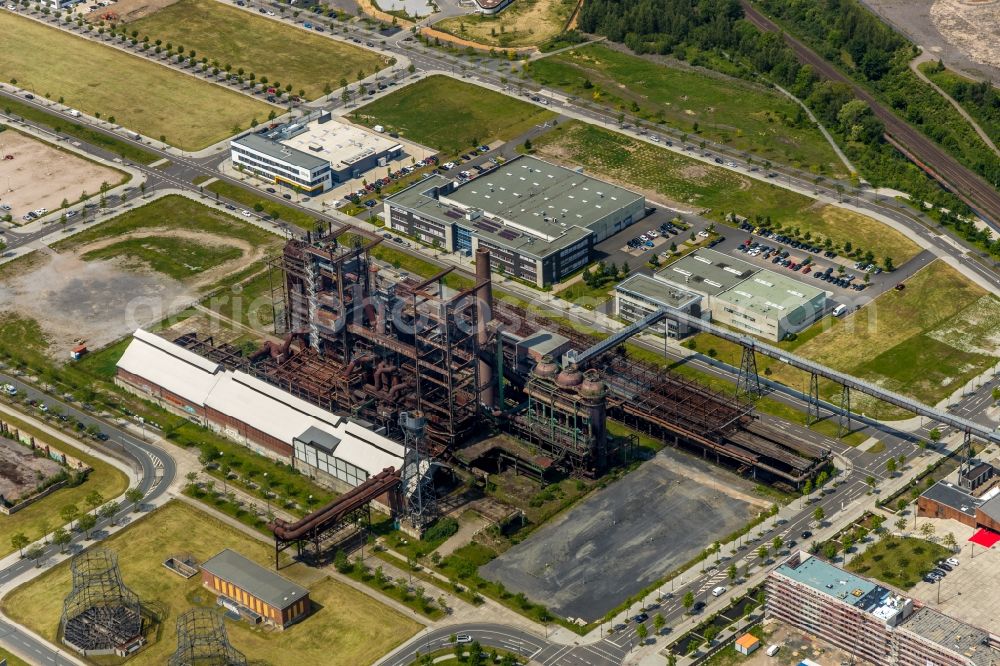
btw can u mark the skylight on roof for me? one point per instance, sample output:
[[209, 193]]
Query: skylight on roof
[[702, 259]]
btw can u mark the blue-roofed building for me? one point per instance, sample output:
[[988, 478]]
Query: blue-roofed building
[[869, 620]]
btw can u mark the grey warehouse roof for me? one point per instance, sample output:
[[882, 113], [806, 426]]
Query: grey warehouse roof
[[657, 290], [321, 440], [948, 494], [527, 204], [526, 190], [249, 576], [708, 271], [281, 152], [951, 634]]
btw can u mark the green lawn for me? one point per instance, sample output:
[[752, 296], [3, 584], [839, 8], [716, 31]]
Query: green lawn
[[451, 116], [177, 257], [525, 23], [346, 629], [716, 191], [898, 561], [420, 267], [43, 516], [251, 199], [924, 341], [172, 212], [254, 305], [266, 47], [11, 659], [725, 110], [125, 149], [141, 95]]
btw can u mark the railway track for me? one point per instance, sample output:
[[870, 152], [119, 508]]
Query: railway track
[[956, 178]]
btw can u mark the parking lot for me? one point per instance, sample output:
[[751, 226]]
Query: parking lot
[[971, 591]]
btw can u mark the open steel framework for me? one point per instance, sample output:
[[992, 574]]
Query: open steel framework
[[202, 640], [100, 614]]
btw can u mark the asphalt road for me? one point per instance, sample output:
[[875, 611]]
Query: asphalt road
[[493, 71], [607, 652], [183, 169], [157, 471]]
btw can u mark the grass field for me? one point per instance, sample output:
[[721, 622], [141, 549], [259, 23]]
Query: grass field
[[171, 212], [451, 116], [716, 191], [177, 257], [141, 95], [925, 341], [348, 627], [251, 199], [898, 561], [126, 149], [525, 23], [255, 44], [725, 110], [43, 516], [11, 659], [984, 112]]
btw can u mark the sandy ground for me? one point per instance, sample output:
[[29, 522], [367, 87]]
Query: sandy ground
[[626, 536], [41, 176], [127, 10], [20, 470], [101, 301], [964, 34]]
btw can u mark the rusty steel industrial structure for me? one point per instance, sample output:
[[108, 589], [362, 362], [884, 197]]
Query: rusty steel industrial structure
[[373, 344]]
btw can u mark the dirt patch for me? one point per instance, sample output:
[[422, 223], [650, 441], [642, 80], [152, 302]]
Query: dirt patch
[[103, 300], [964, 34], [129, 10], [95, 300], [695, 172], [203, 279], [41, 176], [21, 471]]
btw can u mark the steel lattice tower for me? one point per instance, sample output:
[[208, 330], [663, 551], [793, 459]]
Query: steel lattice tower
[[202, 641], [417, 498], [100, 613]]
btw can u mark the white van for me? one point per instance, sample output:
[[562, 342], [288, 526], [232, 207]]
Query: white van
[[74, 113], [719, 591], [839, 310], [772, 650]]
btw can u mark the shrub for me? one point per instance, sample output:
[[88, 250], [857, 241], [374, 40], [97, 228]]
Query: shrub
[[441, 530]]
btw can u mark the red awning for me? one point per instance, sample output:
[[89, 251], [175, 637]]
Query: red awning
[[985, 538]]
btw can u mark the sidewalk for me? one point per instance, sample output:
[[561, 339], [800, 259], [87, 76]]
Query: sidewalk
[[655, 653]]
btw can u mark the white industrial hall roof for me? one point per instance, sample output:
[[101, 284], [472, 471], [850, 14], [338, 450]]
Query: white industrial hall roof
[[254, 402]]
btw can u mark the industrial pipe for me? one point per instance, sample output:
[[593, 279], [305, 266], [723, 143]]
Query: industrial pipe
[[484, 304]]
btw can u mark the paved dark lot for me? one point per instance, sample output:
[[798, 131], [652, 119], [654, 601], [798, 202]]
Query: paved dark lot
[[624, 537]]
